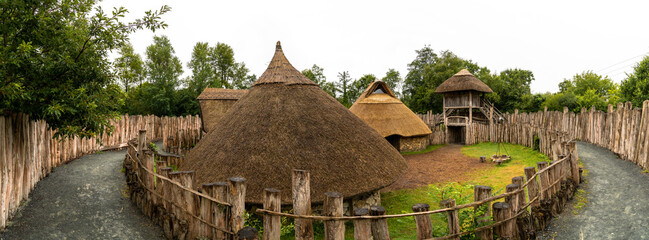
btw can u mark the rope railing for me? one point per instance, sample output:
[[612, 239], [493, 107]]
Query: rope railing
[[140, 165], [185, 210], [458, 207]]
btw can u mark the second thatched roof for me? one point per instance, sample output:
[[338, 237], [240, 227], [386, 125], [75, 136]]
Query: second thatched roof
[[287, 122], [463, 81], [384, 112]]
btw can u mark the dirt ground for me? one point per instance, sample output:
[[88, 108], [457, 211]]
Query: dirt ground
[[445, 164]]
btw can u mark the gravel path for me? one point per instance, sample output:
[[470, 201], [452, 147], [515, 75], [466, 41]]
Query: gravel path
[[82, 200], [617, 208]]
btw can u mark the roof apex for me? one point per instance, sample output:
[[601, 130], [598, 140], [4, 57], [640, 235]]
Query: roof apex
[[280, 70]]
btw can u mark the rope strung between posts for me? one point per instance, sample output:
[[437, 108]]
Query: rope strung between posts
[[488, 226], [473, 204], [181, 207], [140, 165]]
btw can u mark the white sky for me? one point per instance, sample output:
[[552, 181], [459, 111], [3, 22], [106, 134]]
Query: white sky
[[553, 39]]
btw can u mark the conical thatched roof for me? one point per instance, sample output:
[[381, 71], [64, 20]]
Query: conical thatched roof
[[463, 81], [384, 112], [287, 122]]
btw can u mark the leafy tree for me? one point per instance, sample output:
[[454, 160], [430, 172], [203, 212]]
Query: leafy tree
[[202, 73], [556, 102], [359, 85], [635, 88], [393, 79], [227, 72], [345, 82], [591, 90], [163, 69], [510, 89], [316, 74], [129, 68], [427, 72], [54, 61]]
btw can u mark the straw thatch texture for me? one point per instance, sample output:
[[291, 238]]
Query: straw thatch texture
[[279, 127], [222, 94], [215, 102], [463, 81], [387, 114]]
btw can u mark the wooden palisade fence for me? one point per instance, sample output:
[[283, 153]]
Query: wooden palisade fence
[[28, 151], [622, 129]]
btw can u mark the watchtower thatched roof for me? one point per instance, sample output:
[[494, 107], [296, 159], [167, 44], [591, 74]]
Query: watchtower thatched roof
[[287, 122], [384, 112], [463, 81]]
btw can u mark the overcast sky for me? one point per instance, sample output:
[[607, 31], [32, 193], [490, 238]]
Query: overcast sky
[[553, 39]]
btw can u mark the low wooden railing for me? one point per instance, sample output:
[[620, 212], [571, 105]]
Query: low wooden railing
[[546, 192], [216, 210]]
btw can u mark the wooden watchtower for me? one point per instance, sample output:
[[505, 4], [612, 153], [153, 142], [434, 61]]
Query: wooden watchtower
[[464, 105]]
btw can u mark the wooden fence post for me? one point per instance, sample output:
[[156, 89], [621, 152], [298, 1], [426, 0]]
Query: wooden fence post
[[302, 204], [510, 226], [500, 213], [453, 221], [380, 230], [362, 227], [237, 188], [333, 207], [574, 162], [521, 196], [190, 203], [532, 187], [221, 218], [272, 223], [206, 213], [141, 141], [424, 224], [543, 181], [480, 193]]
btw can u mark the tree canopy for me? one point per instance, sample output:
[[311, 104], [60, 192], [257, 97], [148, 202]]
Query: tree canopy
[[635, 88], [54, 61]]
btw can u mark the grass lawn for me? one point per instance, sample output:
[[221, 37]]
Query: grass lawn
[[497, 177], [428, 149]]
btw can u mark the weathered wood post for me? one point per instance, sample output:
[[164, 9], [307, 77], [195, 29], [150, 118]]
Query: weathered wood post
[[141, 141], [521, 196], [574, 162], [221, 218], [179, 223], [206, 213], [424, 224], [362, 227], [481, 193], [237, 189], [333, 207], [544, 181], [302, 204], [532, 187], [510, 226], [380, 230], [190, 203], [453, 220], [272, 223], [499, 214]]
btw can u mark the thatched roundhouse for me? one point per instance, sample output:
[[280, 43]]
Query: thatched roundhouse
[[380, 108], [287, 122], [464, 105], [215, 102]]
